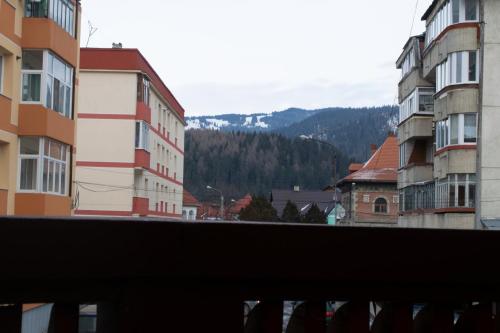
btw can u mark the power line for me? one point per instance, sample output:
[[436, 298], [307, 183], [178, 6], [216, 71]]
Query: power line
[[413, 20]]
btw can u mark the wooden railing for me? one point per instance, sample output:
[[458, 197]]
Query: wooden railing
[[150, 276]]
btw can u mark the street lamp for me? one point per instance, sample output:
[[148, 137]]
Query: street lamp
[[221, 200]]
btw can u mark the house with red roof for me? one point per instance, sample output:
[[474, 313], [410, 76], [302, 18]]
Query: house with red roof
[[369, 193], [190, 206]]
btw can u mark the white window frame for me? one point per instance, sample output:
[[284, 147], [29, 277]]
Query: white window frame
[[443, 191], [446, 72], [411, 104], [445, 137], [40, 158], [45, 76]]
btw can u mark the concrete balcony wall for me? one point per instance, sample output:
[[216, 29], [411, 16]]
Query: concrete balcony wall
[[408, 84], [455, 161], [458, 37], [462, 100], [414, 174], [437, 221], [415, 127]]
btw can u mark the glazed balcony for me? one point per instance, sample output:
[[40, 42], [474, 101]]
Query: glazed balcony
[[194, 277]]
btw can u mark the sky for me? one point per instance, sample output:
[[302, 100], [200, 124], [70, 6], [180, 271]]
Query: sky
[[260, 56]]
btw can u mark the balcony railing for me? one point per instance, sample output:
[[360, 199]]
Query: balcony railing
[[152, 276]]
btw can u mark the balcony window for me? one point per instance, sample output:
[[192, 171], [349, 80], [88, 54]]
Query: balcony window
[[47, 80], [142, 135], [60, 11], [458, 68], [452, 12], [415, 197], [456, 191], [43, 166], [458, 129], [420, 101], [143, 89], [408, 63]]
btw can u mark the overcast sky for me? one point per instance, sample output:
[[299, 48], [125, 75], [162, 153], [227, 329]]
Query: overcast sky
[[249, 56]]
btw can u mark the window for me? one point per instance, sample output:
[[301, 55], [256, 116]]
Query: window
[[43, 165], [142, 135], [459, 67], [451, 12], [456, 191], [420, 101], [416, 197], [143, 89], [408, 63], [60, 11], [1, 73], [402, 155], [381, 205], [458, 129], [366, 198], [47, 80]]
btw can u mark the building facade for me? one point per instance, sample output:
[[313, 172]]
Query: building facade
[[190, 206], [130, 157], [449, 101], [369, 192], [39, 61]]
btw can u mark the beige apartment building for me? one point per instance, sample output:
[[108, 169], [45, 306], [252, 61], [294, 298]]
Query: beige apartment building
[[449, 175], [39, 60], [130, 157]]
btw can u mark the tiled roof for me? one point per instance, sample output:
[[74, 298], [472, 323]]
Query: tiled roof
[[381, 167], [240, 204], [189, 200]]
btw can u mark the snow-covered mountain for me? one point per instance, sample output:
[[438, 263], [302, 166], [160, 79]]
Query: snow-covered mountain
[[253, 122]]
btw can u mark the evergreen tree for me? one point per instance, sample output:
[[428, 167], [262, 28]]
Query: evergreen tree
[[259, 210], [315, 215], [291, 213]]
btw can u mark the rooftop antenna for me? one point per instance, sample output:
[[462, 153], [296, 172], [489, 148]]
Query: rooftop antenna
[[92, 31]]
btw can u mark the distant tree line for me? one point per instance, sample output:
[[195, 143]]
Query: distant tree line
[[238, 163]]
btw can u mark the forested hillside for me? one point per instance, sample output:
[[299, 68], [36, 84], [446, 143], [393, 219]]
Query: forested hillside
[[238, 163], [351, 130]]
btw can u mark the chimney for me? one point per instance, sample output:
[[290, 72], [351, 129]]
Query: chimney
[[296, 188], [117, 45], [373, 148]]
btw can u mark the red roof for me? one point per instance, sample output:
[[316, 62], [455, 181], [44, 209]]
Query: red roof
[[381, 167], [127, 60], [240, 204], [189, 200]]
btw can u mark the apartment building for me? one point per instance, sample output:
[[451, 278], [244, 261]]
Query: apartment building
[[130, 157], [39, 59], [449, 173]]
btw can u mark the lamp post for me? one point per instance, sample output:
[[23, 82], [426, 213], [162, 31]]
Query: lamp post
[[334, 168], [221, 200]]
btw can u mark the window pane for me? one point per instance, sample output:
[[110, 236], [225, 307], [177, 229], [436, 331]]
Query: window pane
[[29, 146], [55, 150], [56, 106], [67, 101], [33, 60], [48, 101], [137, 134], [472, 66], [50, 172], [470, 10], [426, 103], [452, 194], [63, 179], [458, 67], [28, 174], [57, 178], [31, 87], [461, 194], [454, 130], [470, 128], [472, 195], [456, 10], [45, 173]]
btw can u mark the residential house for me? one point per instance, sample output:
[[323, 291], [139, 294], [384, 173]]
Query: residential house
[[369, 192], [190, 206], [39, 61]]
